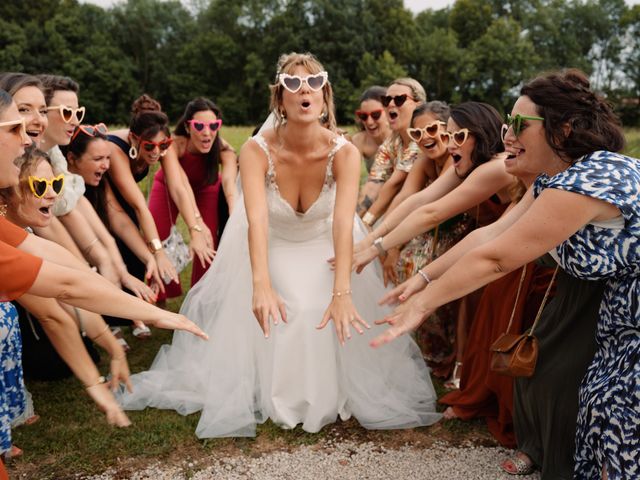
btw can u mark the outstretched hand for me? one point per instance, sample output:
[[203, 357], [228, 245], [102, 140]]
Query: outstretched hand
[[403, 291], [344, 315], [105, 401], [405, 318], [177, 321], [266, 305]]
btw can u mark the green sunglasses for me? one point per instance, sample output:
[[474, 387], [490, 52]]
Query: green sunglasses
[[516, 123]]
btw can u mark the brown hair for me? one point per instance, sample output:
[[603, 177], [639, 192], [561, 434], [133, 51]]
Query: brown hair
[[286, 64], [14, 81], [56, 83], [565, 98], [485, 124], [147, 118]]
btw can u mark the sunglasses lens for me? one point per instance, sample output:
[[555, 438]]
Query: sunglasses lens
[[376, 115], [432, 129], [386, 100], [102, 128], [57, 185], [67, 114], [199, 126], [292, 83], [80, 114], [164, 145], [214, 126], [444, 138], [459, 138], [415, 134], [399, 100], [315, 82], [149, 146], [39, 187], [362, 116]]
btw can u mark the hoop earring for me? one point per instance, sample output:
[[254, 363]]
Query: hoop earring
[[133, 152]]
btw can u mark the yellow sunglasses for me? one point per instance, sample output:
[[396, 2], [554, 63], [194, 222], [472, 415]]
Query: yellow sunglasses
[[39, 185]]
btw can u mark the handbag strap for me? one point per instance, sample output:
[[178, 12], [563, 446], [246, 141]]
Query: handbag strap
[[515, 304], [544, 301]]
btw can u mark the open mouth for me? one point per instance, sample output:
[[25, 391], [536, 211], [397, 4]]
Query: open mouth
[[33, 133], [514, 152], [429, 145], [305, 104], [393, 115], [456, 158], [46, 211], [98, 176]]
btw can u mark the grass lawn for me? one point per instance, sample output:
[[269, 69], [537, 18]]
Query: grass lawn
[[72, 436]]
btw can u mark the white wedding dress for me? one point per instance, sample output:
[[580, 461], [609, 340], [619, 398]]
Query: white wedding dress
[[300, 374]]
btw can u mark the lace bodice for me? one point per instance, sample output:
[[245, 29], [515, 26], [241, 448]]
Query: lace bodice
[[284, 221]]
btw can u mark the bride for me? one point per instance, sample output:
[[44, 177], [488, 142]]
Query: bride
[[300, 184]]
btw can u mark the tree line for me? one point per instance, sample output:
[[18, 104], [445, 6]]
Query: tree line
[[227, 49]]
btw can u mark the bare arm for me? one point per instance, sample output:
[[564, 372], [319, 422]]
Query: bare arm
[[550, 220], [182, 194], [65, 337], [341, 309], [388, 191], [478, 187], [229, 161], [416, 180], [56, 232], [266, 302]]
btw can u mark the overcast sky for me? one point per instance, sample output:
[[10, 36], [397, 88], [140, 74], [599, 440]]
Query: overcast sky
[[413, 5]]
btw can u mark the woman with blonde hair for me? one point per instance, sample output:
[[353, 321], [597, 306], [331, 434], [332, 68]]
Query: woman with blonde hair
[[300, 185]]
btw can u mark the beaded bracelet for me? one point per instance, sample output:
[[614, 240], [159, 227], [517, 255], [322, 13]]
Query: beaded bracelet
[[340, 294], [425, 276]]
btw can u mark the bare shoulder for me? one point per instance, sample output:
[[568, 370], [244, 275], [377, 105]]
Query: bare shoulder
[[251, 154], [180, 143], [122, 133]]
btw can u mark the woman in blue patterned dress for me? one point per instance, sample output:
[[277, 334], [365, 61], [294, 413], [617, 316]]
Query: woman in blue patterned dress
[[585, 209]]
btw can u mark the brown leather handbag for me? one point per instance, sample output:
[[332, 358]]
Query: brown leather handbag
[[516, 354]]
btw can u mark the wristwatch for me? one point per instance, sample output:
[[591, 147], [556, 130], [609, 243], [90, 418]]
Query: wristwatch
[[196, 227], [378, 244], [155, 245]]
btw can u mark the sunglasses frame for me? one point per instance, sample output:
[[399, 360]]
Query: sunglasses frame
[[282, 78], [22, 122], [452, 136], [48, 183], [515, 123], [99, 127], [362, 113], [192, 123], [387, 99], [424, 131], [167, 141], [74, 112]]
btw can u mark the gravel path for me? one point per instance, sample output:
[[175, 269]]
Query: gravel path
[[342, 460]]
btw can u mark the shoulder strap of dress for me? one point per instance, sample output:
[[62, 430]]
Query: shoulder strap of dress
[[339, 142], [262, 143]]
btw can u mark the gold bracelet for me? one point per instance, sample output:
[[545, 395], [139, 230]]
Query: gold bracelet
[[101, 379], [100, 334], [341, 294]]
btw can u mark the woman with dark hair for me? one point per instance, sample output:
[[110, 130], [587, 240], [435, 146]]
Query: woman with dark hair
[[584, 208], [201, 152], [146, 142], [476, 183], [373, 124]]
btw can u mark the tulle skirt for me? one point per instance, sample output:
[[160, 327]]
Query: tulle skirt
[[299, 375]]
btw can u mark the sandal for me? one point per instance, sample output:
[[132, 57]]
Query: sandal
[[32, 419], [517, 465], [120, 338], [141, 333], [454, 381]]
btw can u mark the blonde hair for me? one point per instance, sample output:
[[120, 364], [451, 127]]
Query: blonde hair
[[286, 64], [417, 90]]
